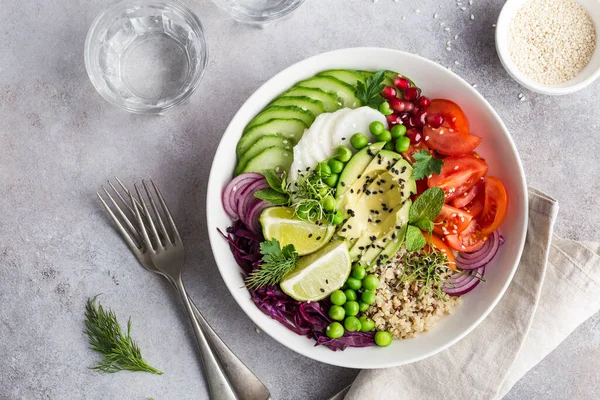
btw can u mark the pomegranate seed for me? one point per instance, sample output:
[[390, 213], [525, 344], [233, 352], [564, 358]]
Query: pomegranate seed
[[408, 106], [420, 116], [405, 118], [414, 135], [393, 119], [389, 93], [396, 105], [435, 120], [402, 83], [411, 94], [424, 102]]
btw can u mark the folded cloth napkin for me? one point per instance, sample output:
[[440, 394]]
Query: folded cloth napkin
[[555, 289]]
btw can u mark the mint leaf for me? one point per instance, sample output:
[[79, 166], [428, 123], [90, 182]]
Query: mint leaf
[[272, 196], [273, 180], [425, 224], [414, 239], [425, 165], [427, 206], [369, 93]]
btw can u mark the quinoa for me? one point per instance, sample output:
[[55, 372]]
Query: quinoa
[[550, 41], [404, 308]]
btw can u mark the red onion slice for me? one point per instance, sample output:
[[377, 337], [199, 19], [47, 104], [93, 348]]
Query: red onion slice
[[482, 256], [466, 197], [464, 285], [252, 218], [246, 197], [238, 183]]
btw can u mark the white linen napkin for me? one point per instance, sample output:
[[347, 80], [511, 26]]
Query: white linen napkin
[[555, 289]]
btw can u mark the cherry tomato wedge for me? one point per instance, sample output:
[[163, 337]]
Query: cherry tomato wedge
[[471, 239], [412, 149], [459, 174], [438, 243], [495, 206], [449, 141], [475, 207], [454, 116], [467, 197], [451, 221]]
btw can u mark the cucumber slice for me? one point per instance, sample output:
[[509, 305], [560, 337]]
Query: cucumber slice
[[329, 84], [277, 112], [329, 101], [348, 76], [270, 158], [261, 144], [288, 128], [306, 103]]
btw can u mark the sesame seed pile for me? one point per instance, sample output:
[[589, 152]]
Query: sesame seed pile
[[550, 41]]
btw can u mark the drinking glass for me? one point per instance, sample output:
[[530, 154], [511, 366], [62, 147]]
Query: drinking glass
[[258, 11]]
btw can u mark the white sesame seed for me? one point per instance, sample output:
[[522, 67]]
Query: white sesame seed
[[455, 37], [464, 8], [417, 11], [429, 176], [447, 43], [470, 2], [462, 246], [521, 95], [403, 18], [455, 167], [447, 29], [456, 62], [442, 23], [442, 132], [493, 25], [472, 16], [448, 48], [426, 138], [474, 85], [435, 15]]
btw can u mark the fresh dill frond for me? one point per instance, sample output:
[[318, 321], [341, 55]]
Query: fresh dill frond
[[119, 351], [276, 262]]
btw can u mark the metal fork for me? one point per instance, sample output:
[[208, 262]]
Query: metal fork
[[245, 384]]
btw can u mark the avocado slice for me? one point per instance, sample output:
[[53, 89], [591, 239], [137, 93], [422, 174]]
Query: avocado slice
[[392, 247], [355, 167]]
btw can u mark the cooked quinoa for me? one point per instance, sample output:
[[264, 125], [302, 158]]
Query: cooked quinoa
[[402, 308]]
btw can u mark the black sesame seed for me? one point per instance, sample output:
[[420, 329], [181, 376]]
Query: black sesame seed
[[344, 229], [369, 220], [351, 213], [361, 247], [343, 138], [351, 190], [373, 238], [403, 169], [327, 281], [318, 237], [322, 290], [310, 235], [377, 221], [358, 177], [343, 183], [349, 226], [384, 240], [368, 192], [398, 227], [381, 191]]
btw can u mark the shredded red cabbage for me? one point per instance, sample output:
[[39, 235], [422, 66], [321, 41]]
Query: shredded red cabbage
[[307, 319]]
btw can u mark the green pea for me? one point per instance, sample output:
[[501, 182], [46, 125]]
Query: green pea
[[352, 324], [358, 140], [337, 298], [389, 146], [354, 283], [335, 165], [362, 307], [336, 313], [303, 211], [368, 297], [334, 330], [382, 338], [359, 272], [376, 128], [402, 144], [343, 154], [370, 282], [385, 109], [331, 180], [337, 218], [385, 136], [323, 169], [366, 324], [398, 131], [350, 295], [328, 203], [351, 308]]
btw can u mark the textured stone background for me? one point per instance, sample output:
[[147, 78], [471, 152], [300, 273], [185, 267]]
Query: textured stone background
[[60, 141]]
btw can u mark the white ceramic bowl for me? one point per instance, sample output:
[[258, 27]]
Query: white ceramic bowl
[[584, 78], [497, 147]]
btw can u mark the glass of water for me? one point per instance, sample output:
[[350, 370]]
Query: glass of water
[[258, 11], [146, 56]]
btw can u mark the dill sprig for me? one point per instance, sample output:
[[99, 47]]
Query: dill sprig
[[428, 270], [276, 262], [119, 351], [307, 194]]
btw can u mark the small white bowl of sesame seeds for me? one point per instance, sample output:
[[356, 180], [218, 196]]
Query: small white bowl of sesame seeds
[[550, 46]]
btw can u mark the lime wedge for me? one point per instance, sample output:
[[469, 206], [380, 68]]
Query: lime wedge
[[281, 224], [316, 276]]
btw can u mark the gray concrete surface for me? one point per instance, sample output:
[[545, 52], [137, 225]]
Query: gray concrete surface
[[59, 141]]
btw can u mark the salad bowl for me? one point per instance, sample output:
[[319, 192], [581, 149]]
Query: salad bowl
[[497, 148]]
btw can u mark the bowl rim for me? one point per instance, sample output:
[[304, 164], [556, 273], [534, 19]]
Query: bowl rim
[[504, 18], [213, 186]]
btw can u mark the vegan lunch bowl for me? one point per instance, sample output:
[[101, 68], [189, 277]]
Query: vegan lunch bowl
[[367, 208]]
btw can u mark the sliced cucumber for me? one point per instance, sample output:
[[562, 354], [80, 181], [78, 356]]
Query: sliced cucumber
[[329, 100], [345, 75], [270, 158], [262, 143], [306, 103], [277, 112], [329, 84], [288, 128]]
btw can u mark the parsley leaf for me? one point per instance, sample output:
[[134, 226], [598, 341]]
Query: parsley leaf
[[276, 263], [414, 239], [369, 92], [427, 206], [425, 165], [272, 196]]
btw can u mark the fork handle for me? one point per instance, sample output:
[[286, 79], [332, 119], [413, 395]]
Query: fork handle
[[246, 385], [218, 385]]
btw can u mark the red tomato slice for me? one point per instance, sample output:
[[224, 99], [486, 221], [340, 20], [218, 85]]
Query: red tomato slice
[[495, 206], [454, 116], [436, 242], [451, 221], [449, 141], [471, 239], [475, 207], [465, 198], [459, 174], [412, 149]]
